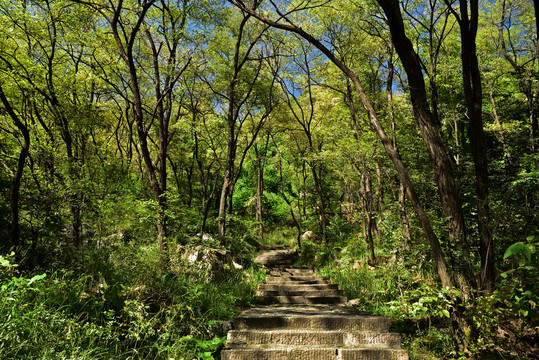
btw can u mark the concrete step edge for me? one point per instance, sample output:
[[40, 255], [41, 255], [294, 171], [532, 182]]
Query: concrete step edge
[[281, 287], [330, 353], [298, 278], [300, 292], [327, 322], [303, 300], [291, 337], [295, 283]]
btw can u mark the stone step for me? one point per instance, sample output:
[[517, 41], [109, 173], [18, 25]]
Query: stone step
[[291, 272], [299, 292], [309, 322], [300, 279], [272, 263], [283, 256], [296, 286], [276, 247], [313, 317], [338, 338], [278, 252], [276, 255], [297, 283], [304, 353], [282, 299]]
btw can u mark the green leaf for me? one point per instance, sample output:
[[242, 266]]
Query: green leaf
[[186, 338], [36, 278], [516, 248], [445, 312]]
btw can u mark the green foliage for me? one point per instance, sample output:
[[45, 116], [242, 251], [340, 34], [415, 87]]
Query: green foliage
[[520, 247], [205, 348], [519, 287], [129, 305], [115, 295], [505, 321], [426, 301]]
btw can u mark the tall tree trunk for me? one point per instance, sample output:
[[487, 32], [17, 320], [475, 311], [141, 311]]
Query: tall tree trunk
[[474, 99], [259, 192], [500, 136], [17, 176], [389, 94], [404, 217], [223, 202], [380, 204], [232, 115], [456, 132], [321, 203], [297, 222], [428, 125], [154, 175], [369, 206]]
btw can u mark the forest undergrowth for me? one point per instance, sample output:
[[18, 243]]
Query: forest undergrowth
[[133, 302], [122, 304], [500, 325]]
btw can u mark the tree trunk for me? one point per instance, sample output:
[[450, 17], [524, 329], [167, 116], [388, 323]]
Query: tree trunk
[[232, 115], [474, 97], [369, 206], [126, 51], [259, 193], [222, 204], [497, 121], [428, 125], [389, 93], [404, 217], [456, 132], [321, 203], [297, 222], [380, 186], [17, 176]]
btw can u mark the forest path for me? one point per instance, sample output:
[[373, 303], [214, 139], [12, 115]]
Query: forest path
[[308, 319]]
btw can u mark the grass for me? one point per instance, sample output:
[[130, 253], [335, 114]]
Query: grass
[[130, 303]]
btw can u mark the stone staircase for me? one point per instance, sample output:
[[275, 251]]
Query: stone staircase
[[308, 319]]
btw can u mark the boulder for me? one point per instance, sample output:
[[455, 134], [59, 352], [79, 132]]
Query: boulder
[[307, 235], [212, 259]]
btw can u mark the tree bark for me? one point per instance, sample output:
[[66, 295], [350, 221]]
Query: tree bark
[[156, 177], [389, 94], [368, 199], [404, 216], [501, 137], [260, 190], [321, 203], [234, 104], [441, 163], [17, 176], [474, 98], [297, 222]]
